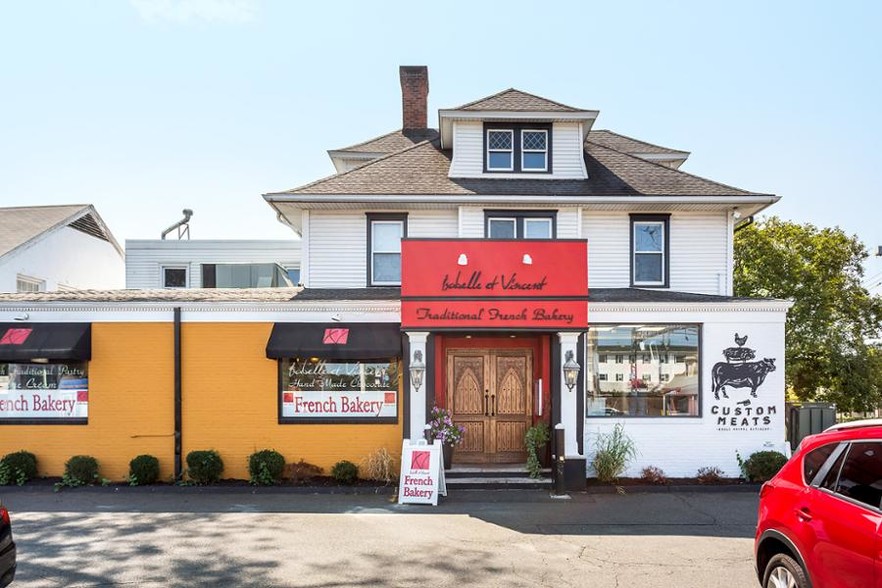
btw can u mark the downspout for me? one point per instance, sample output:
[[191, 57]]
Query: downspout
[[746, 223], [177, 335]]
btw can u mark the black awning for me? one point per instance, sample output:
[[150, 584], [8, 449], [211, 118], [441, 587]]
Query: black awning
[[349, 341], [24, 342]]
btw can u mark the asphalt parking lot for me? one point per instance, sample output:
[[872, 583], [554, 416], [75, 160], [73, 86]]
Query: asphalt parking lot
[[210, 537]]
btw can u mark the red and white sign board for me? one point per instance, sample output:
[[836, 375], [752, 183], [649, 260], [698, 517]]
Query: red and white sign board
[[360, 404], [484, 283], [44, 404], [422, 473]]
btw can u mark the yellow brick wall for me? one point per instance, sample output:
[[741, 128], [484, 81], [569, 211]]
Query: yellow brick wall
[[131, 405], [230, 394], [230, 404]]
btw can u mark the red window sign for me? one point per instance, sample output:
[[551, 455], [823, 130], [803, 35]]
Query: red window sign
[[15, 336], [336, 336]]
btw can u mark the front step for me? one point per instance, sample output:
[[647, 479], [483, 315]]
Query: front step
[[495, 477]]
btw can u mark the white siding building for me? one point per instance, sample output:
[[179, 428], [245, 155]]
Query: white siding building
[[46, 248]]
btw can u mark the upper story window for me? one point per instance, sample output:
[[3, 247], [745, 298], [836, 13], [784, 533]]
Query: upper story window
[[384, 235], [517, 148], [174, 276], [244, 275], [650, 250], [26, 284], [519, 224]]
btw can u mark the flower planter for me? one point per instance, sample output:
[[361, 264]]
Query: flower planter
[[447, 452]]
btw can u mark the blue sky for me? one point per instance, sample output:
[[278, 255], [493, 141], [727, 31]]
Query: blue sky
[[145, 107]]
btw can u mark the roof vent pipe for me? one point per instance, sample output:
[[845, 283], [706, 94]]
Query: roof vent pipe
[[183, 226]]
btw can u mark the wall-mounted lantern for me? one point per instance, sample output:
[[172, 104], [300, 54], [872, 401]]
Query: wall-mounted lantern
[[417, 370], [571, 371]]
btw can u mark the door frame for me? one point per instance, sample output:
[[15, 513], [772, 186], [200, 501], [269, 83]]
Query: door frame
[[539, 343]]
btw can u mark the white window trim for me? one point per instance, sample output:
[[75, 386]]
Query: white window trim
[[22, 279], [510, 151], [524, 150], [374, 250], [512, 220], [661, 253], [544, 220], [184, 267]]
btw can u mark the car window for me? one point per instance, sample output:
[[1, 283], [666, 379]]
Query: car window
[[814, 459], [861, 476], [829, 481]]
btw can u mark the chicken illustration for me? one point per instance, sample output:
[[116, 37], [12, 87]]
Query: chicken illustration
[[740, 341]]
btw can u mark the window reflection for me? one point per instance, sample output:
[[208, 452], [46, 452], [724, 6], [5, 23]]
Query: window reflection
[[655, 373]]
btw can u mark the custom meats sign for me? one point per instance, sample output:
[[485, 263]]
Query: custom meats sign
[[540, 284], [742, 375]]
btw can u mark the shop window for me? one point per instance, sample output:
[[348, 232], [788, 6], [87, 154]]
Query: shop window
[[649, 250], [384, 235], [667, 388], [520, 224], [44, 393], [320, 390]]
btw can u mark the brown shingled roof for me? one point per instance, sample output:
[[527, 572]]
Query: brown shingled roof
[[394, 141], [516, 100], [627, 144], [158, 295], [422, 170]]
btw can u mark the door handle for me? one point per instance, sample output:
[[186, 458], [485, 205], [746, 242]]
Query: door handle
[[493, 399], [486, 404], [803, 514]]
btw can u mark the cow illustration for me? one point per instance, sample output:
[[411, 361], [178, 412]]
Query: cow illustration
[[749, 374]]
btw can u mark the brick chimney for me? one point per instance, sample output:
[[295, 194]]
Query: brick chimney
[[414, 96]]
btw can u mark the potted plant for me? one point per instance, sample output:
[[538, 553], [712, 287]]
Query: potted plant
[[535, 440], [442, 428]]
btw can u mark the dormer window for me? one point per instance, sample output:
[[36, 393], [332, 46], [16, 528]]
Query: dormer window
[[534, 150], [500, 150], [517, 148]]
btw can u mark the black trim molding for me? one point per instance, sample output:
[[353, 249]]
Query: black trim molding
[[371, 218], [516, 129], [665, 219], [519, 216]]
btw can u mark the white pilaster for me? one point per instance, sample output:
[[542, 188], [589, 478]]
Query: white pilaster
[[569, 413], [417, 397]]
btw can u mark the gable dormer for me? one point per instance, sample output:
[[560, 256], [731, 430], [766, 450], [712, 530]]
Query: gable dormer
[[514, 134]]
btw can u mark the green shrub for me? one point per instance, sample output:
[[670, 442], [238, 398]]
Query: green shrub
[[345, 472], [18, 468], [143, 470], [709, 475], [265, 467], [762, 465], [80, 470], [204, 467], [535, 440], [614, 451]]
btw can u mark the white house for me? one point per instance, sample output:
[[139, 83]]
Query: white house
[[212, 263], [45, 248], [512, 189]]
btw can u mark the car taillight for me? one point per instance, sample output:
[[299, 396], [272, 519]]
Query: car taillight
[[4, 515]]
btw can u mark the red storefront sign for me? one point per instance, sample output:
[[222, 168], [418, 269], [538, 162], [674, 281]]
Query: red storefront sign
[[465, 283]]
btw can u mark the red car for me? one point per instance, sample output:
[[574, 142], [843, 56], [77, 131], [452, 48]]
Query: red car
[[820, 521], [7, 549]]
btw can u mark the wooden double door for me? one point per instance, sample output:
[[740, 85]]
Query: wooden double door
[[490, 394]]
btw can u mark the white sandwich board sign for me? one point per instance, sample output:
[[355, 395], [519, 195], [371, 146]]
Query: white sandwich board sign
[[422, 473]]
